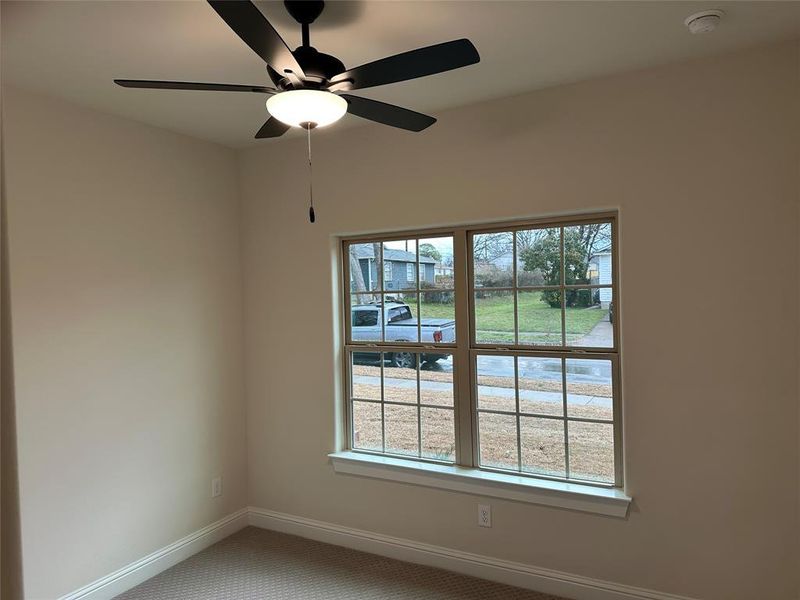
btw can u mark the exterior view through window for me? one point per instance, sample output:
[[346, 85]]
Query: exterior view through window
[[488, 347]]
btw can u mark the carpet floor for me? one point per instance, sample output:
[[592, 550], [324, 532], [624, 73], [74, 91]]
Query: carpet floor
[[256, 564]]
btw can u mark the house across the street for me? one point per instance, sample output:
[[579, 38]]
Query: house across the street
[[399, 268], [600, 269]]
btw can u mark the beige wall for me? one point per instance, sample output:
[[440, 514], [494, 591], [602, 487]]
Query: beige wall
[[126, 294], [701, 159]]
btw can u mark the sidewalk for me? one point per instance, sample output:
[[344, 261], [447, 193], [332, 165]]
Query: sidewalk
[[501, 392]]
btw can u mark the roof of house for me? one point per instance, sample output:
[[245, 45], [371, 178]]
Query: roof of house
[[604, 250], [365, 251]]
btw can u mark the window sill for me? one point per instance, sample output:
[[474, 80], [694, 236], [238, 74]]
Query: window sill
[[573, 496]]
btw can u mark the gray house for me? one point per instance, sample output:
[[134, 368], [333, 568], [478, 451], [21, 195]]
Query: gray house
[[399, 268]]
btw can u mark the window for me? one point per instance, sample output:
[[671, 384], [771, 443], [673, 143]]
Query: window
[[508, 363], [387, 271], [400, 313]]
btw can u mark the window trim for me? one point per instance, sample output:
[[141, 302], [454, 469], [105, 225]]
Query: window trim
[[465, 396], [612, 502]]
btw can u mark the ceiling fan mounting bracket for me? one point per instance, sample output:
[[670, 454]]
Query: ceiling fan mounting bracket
[[304, 12]]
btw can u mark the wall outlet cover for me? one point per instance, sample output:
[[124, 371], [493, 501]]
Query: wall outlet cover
[[484, 515], [216, 487]]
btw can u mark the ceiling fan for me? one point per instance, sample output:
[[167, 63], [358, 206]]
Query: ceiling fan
[[309, 84]]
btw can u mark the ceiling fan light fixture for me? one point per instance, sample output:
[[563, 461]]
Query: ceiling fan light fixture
[[300, 107]]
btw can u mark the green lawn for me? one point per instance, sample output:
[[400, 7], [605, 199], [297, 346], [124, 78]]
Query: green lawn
[[494, 318]]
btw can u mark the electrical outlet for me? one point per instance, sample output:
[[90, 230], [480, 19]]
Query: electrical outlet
[[484, 515], [216, 487]]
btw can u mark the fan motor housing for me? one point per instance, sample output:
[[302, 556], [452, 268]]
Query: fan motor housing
[[317, 64]]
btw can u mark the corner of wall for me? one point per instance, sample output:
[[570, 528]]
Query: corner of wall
[[10, 538]]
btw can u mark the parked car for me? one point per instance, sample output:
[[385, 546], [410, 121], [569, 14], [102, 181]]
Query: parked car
[[399, 326]]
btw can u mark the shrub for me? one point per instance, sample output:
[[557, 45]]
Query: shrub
[[432, 295], [574, 298]]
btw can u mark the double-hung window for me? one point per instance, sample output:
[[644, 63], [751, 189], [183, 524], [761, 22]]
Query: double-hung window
[[507, 363]]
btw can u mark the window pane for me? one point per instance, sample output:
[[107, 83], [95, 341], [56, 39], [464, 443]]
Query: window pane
[[498, 440], [401, 318], [401, 429], [400, 383], [400, 265], [436, 263], [539, 257], [589, 389], [537, 291], [436, 380], [366, 375], [494, 317], [365, 318], [438, 317], [539, 317], [438, 433], [587, 253], [367, 426], [493, 259], [540, 386], [587, 318], [363, 276], [542, 443], [591, 451], [496, 383]]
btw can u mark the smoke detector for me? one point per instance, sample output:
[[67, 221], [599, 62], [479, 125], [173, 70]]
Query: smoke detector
[[703, 22]]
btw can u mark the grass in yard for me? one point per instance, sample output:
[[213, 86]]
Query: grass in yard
[[538, 322], [591, 445]]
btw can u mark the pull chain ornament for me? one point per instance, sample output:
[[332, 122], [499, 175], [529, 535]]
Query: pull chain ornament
[[311, 216]]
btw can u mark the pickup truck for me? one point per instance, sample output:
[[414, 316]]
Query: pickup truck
[[400, 326]]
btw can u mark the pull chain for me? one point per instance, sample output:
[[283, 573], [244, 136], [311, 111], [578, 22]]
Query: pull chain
[[311, 216]]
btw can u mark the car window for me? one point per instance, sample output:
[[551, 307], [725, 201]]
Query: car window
[[399, 314], [365, 318]]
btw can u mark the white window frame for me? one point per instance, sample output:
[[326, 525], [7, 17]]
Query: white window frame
[[409, 272], [387, 270], [465, 473]]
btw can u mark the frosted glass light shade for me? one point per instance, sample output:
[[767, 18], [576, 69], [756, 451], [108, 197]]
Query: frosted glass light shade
[[307, 106]]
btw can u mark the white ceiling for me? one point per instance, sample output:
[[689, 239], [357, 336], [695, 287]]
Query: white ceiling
[[73, 49]]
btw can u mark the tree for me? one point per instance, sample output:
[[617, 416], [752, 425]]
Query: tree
[[544, 255], [491, 246], [377, 252], [430, 251], [357, 275], [593, 236]]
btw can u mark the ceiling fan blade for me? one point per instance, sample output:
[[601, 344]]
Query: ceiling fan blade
[[272, 128], [249, 24], [189, 85], [388, 114], [410, 65]]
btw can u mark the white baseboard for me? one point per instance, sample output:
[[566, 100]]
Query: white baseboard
[[521, 575], [547, 581], [135, 573]]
